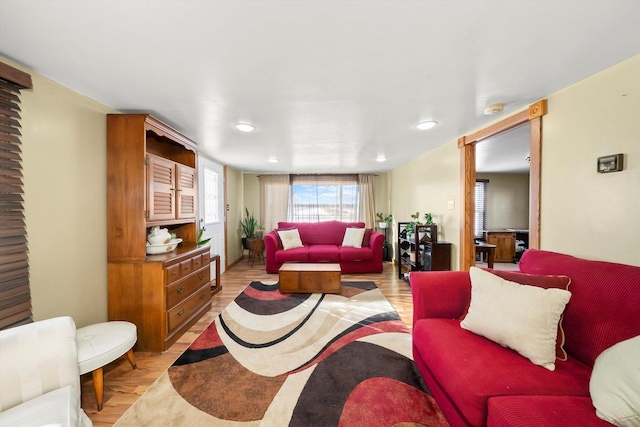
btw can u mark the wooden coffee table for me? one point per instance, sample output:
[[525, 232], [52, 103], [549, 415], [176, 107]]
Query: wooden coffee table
[[309, 278]]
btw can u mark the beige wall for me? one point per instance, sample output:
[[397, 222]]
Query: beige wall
[[252, 195], [507, 200], [429, 184], [64, 161], [235, 200], [585, 213]]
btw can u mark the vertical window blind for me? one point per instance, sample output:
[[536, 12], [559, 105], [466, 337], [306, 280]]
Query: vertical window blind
[[15, 295], [480, 220]]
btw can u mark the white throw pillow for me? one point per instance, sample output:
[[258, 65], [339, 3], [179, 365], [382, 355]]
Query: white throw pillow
[[353, 237], [522, 317], [615, 384], [290, 239]]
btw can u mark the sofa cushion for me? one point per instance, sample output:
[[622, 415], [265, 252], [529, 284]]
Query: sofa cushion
[[604, 303], [524, 318], [471, 368], [353, 237], [367, 237], [58, 407], [324, 253], [355, 254], [278, 236], [615, 383], [547, 411], [546, 281], [293, 255], [290, 239]]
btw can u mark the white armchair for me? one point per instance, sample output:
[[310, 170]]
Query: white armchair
[[39, 377]]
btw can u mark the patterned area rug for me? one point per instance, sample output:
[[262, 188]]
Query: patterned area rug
[[294, 360]]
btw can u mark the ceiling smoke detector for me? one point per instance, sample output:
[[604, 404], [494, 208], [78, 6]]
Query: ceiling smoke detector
[[493, 109]]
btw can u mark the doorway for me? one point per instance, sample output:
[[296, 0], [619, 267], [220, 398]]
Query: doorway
[[467, 145], [502, 197], [211, 209]]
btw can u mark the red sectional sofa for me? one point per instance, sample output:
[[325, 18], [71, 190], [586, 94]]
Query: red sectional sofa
[[323, 243], [477, 382]]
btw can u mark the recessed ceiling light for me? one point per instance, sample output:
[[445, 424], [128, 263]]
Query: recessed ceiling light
[[273, 159], [381, 158], [426, 125], [245, 127]]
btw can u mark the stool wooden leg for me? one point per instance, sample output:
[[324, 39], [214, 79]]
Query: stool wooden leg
[[98, 386], [131, 358]]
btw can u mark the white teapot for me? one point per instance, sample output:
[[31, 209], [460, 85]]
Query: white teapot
[[159, 236]]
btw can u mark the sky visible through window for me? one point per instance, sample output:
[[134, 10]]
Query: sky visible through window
[[313, 203]]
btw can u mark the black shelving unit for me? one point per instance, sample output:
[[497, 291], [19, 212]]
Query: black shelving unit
[[421, 251]]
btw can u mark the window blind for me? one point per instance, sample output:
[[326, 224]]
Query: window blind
[[480, 220], [15, 295]]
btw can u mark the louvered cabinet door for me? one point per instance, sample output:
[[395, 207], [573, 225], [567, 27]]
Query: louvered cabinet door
[[187, 192], [161, 178]]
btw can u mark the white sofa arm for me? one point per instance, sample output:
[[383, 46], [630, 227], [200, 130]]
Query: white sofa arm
[[37, 358]]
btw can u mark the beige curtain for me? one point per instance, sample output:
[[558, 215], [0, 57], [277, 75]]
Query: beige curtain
[[367, 207], [274, 196]]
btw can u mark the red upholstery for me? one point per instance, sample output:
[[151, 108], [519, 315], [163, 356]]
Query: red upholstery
[[323, 243], [478, 382], [478, 369], [547, 411], [324, 253], [605, 297]]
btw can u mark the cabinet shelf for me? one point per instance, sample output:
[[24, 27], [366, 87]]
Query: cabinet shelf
[[421, 251], [152, 181]]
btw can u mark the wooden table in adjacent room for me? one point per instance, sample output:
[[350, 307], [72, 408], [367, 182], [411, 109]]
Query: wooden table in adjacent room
[[306, 277], [489, 252]]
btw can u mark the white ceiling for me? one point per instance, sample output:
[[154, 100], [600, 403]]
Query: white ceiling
[[330, 85]]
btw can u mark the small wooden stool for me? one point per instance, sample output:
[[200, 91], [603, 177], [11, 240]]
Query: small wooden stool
[[100, 344]]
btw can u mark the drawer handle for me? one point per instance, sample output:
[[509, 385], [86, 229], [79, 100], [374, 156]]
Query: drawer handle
[[201, 276], [173, 273], [181, 312], [180, 290], [202, 296]]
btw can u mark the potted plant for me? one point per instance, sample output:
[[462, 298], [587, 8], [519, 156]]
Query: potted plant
[[428, 219], [384, 221], [249, 226]]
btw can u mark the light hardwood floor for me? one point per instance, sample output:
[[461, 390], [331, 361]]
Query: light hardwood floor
[[124, 385]]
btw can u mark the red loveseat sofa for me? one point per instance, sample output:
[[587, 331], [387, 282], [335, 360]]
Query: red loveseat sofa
[[477, 382], [323, 243]]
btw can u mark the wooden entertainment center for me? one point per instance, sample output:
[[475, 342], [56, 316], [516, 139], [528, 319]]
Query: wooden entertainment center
[[152, 181]]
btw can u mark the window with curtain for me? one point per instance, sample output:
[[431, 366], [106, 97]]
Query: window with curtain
[[317, 198], [480, 220], [15, 295]]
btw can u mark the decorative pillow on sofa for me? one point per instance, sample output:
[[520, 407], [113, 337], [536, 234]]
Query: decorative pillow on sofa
[[278, 230], [615, 383], [290, 239], [353, 237], [367, 237], [543, 281], [522, 317]]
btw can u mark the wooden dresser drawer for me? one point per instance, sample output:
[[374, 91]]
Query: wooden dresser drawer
[[186, 267], [172, 273], [186, 309], [177, 292], [196, 262], [206, 258]]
